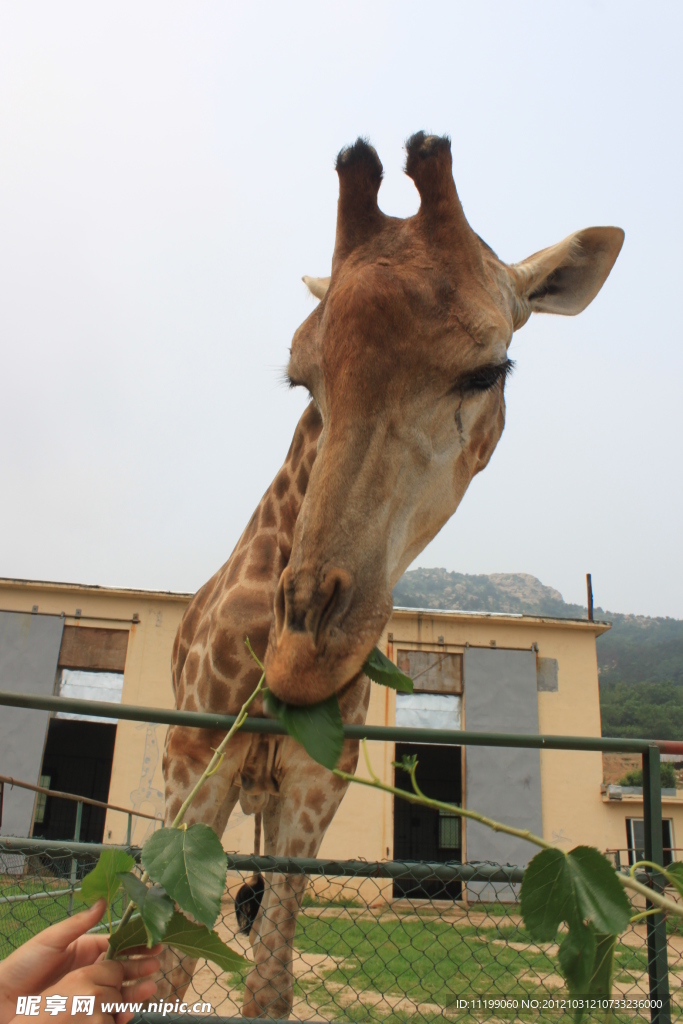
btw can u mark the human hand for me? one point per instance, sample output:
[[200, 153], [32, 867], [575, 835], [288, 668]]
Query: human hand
[[108, 982], [64, 949]]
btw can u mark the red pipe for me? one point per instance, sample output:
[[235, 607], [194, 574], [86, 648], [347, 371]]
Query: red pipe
[[669, 746]]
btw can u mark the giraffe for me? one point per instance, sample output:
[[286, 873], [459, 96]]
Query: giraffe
[[405, 360]]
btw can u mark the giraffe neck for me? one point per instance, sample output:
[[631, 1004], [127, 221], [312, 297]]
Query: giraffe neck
[[212, 671]]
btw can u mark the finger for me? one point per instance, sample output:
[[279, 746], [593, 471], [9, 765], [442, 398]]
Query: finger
[[58, 936], [143, 951], [87, 949], [139, 991], [141, 968], [107, 973]]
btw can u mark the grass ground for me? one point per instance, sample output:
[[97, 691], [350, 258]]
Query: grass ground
[[20, 920], [393, 968], [391, 965]]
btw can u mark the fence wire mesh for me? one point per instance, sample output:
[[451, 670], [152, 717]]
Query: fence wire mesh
[[367, 946]]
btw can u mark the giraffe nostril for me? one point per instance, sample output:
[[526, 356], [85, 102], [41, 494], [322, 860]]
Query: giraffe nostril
[[302, 608], [280, 606], [329, 603], [328, 610]]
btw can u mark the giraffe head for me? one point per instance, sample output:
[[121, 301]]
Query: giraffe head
[[406, 359]]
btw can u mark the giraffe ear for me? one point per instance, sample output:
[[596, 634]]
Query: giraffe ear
[[566, 277], [316, 285]]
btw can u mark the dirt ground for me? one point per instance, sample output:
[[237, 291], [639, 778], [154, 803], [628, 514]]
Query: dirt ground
[[615, 766]]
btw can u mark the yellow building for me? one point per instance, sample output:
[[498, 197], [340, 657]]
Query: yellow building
[[483, 672]]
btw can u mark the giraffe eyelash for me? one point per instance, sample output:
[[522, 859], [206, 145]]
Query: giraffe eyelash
[[288, 381], [484, 379]]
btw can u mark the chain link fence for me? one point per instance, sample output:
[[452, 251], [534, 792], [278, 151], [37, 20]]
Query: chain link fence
[[385, 942]]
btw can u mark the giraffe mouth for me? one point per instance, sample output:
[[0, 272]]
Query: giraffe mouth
[[293, 670], [306, 665]]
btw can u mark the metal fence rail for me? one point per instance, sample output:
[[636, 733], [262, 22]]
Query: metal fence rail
[[659, 955], [80, 801], [365, 950]]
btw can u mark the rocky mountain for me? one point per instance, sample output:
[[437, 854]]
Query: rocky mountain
[[499, 592], [640, 659]]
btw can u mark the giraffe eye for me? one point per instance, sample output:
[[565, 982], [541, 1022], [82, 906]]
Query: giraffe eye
[[292, 383], [484, 379]]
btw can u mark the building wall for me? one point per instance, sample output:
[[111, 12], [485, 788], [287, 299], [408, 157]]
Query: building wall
[[573, 808], [136, 773]]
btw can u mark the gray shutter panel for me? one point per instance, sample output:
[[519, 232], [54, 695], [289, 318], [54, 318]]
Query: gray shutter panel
[[503, 783], [29, 652]]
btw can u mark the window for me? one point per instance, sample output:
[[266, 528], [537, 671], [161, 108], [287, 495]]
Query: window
[[79, 750], [91, 665], [104, 686], [449, 831], [635, 838], [432, 671]]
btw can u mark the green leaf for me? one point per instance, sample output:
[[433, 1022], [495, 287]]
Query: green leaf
[[317, 727], [547, 897], [674, 874], [132, 934], [382, 670], [197, 940], [156, 909], [191, 866], [103, 881], [576, 956], [600, 983], [600, 895], [574, 887]]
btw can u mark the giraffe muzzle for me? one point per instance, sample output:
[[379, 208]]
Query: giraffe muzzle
[[307, 657]]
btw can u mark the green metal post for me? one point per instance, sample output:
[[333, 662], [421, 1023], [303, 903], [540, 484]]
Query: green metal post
[[129, 829], [74, 864], [657, 964]]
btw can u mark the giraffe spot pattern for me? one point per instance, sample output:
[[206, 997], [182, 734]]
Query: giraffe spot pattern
[[263, 552], [315, 799], [268, 520], [191, 668], [180, 774], [224, 655], [302, 479], [252, 527], [235, 567], [281, 484], [288, 516], [296, 450], [306, 823], [219, 696]]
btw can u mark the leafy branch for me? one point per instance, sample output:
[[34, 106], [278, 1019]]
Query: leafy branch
[[579, 888], [186, 866], [409, 765]]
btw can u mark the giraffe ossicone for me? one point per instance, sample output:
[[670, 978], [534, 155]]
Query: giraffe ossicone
[[405, 358]]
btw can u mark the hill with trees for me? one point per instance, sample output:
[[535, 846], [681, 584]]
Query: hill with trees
[[640, 660]]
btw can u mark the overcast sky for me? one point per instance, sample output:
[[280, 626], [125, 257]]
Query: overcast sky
[[167, 176]]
